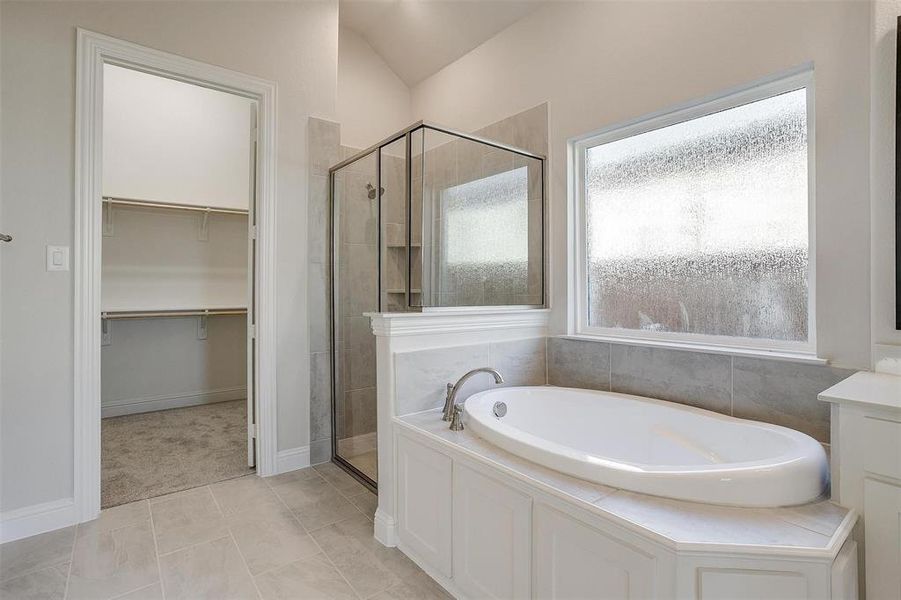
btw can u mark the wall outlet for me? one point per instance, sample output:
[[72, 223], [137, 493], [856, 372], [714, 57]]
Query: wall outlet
[[57, 258]]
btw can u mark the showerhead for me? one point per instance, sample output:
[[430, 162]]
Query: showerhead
[[371, 189]]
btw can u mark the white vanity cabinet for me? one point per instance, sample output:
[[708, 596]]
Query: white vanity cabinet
[[882, 527], [502, 540], [575, 560], [866, 471], [770, 578], [492, 537], [462, 524], [424, 507], [485, 529]]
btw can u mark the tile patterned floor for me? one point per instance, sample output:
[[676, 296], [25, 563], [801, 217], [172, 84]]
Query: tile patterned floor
[[301, 535]]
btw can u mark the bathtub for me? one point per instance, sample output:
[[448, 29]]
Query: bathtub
[[652, 446]]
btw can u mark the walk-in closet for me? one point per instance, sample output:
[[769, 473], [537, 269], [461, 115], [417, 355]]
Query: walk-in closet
[[177, 285]]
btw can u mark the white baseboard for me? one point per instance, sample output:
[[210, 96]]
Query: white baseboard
[[39, 518], [131, 406], [320, 451], [385, 530], [292, 459]]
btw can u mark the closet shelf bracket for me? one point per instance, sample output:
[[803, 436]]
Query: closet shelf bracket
[[106, 335], [107, 219], [202, 327], [204, 234]]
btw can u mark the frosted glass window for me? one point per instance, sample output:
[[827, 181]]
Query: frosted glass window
[[487, 220], [701, 227]]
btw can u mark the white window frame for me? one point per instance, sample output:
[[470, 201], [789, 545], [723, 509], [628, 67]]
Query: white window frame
[[577, 292]]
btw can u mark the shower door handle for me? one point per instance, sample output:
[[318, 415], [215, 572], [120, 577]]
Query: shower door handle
[[5, 238]]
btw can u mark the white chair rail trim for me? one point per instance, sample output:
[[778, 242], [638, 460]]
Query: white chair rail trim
[[425, 323]]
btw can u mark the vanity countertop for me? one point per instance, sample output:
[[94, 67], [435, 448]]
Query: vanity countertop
[[814, 529], [868, 390]]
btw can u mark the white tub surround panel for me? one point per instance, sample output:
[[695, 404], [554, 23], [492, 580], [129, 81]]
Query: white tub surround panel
[[417, 354], [866, 470], [545, 534]]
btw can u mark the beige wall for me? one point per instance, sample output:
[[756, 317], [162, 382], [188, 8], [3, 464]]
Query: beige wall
[[293, 44], [598, 64], [882, 170], [372, 101]]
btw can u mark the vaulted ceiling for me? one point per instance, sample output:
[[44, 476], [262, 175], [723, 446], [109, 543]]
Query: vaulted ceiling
[[417, 38]]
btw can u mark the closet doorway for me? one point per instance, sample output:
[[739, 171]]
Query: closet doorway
[[97, 227], [177, 278]]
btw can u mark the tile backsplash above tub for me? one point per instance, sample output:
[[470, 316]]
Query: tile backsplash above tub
[[772, 391], [422, 376], [693, 378], [784, 393], [578, 363]]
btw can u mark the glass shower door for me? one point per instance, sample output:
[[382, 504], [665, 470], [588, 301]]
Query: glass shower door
[[428, 219], [478, 210], [355, 265]]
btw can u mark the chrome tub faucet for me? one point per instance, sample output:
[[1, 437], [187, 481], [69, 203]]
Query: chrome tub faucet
[[453, 389]]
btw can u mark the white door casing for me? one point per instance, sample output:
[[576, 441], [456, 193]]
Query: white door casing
[[251, 292], [93, 51]]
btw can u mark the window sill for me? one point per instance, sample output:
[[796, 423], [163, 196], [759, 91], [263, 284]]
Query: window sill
[[784, 355]]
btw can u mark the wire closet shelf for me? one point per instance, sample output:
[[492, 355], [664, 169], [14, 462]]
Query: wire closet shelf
[[115, 201]]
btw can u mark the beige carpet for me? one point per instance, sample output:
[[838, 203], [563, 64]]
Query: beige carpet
[[157, 453]]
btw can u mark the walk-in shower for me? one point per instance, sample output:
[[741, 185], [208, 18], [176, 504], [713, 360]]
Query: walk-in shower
[[458, 221]]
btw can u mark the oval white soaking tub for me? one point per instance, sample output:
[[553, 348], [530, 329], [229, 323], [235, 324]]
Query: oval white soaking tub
[[652, 446]]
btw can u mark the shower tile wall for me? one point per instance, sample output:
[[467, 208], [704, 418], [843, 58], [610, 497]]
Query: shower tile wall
[[394, 219], [323, 151]]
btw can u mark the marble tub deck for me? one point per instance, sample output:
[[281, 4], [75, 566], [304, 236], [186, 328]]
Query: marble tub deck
[[303, 534], [815, 529]]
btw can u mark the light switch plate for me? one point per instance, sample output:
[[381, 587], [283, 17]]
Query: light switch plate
[[57, 258]]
